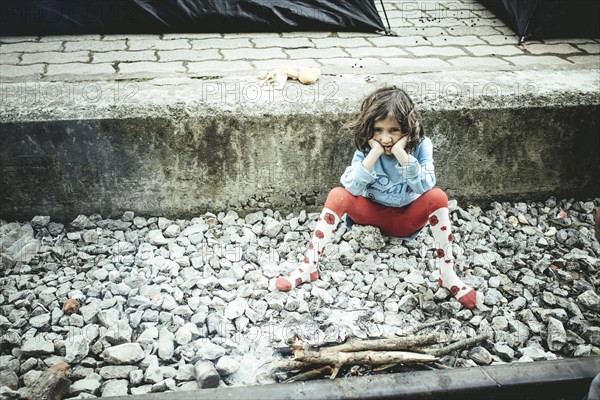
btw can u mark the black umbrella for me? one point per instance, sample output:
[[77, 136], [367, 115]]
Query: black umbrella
[[59, 17], [544, 19]]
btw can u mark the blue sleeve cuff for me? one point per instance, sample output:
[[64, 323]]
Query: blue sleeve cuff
[[365, 176], [412, 170]]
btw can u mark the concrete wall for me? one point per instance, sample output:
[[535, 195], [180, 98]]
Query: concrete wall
[[180, 159]]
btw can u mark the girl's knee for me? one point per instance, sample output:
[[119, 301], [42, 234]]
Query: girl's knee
[[338, 192], [437, 198], [338, 195]]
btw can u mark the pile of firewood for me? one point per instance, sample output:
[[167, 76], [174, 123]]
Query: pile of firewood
[[377, 354]]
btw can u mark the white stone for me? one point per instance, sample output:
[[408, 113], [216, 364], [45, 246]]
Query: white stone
[[153, 373], [37, 346], [556, 334], [227, 365], [590, 299], [156, 238], [128, 353], [90, 384], [77, 348], [119, 333], [172, 231], [115, 388], [208, 350], [236, 308], [166, 347], [322, 294], [414, 277], [183, 335]]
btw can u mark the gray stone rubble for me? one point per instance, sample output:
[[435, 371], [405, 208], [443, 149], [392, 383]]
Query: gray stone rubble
[[174, 304]]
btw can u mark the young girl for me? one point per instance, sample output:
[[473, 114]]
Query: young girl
[[389, 185]]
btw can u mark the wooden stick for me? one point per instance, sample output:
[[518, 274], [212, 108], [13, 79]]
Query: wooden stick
[[461, 344], [287, 365], [440, 366], [384, 367], [310, 374], [363, 357], [336, 370], [428, 325], [391, 344]]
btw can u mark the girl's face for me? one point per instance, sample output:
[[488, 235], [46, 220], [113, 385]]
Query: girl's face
[[387, 133]]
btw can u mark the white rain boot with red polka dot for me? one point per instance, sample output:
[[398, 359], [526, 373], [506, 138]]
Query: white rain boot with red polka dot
[[439, 223], [307, 271]]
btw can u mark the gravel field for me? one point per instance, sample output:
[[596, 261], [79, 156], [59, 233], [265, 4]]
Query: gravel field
[[158, 304]]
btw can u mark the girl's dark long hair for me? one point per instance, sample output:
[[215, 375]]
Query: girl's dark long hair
[[388, 100]]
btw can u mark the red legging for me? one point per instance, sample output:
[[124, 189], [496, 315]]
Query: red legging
[[392, 221]]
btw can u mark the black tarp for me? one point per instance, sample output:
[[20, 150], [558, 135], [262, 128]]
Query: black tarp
[[65, 17], [545, 19]]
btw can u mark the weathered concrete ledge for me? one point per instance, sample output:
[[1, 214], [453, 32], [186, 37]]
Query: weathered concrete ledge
[[558, 379], [179, 147]]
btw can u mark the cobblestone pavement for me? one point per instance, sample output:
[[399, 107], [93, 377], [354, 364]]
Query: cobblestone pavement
[[441, 35]]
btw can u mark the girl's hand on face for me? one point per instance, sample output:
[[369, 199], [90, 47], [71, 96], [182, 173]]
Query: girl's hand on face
[[376, 146], [400, 144]]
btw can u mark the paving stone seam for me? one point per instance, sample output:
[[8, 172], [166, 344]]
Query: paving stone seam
[[576, 52], [561, 56], [36, 40], [482, 37], [585, 52], [416, 44]]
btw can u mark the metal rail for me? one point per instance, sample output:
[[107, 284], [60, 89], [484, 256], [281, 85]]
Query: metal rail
[[560, 379]]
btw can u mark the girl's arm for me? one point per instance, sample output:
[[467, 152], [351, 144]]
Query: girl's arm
[[356, 178], [373, 156], [418, 172]]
